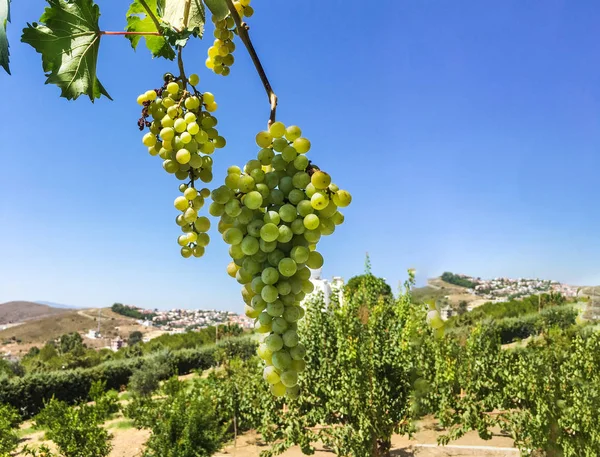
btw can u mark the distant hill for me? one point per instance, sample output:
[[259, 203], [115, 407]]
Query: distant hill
[[18, 339], [20, 311], [56, 305]]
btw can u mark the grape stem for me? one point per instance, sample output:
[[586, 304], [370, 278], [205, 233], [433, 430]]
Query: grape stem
[[243, 28], [151, 15], [181, 69]]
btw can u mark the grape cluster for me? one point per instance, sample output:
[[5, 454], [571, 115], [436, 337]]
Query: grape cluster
[[183, 133], [220, 54], [272, 214], [435, 321]]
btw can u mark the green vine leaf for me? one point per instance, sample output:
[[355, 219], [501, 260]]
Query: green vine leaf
[[218, 8], [68, 38], [174, 14], [138, 20], [4, 19]]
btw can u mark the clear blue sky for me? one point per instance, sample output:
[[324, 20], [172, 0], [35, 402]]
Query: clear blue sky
[[468, 133]]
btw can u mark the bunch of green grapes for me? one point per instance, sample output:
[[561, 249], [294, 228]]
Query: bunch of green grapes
[[220, 54], [273, 214], [183, 133]]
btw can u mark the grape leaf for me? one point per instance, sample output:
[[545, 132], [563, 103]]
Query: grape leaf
[[138, 20], [68, 38], [174, 14], [218, 8], [4, 19]]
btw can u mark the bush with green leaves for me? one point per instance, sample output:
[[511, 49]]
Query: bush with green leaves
[[29, 392], [146, 379], [76, 431], [9, 421], [183, 421], [106, 401]]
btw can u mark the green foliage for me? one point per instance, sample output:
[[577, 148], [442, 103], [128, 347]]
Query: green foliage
[[357, 385], [138, 20], [128, 311], [68, 38], [29, 393], [511, 308], [9, 421], [106, 402], [457, 280], [4, 19], [380, 287], [135, 338], [71, 343], [183, 422], [76, 431], [146, 379]]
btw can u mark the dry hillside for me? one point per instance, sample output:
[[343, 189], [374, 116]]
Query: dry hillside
[[19, 311], [17, 340]]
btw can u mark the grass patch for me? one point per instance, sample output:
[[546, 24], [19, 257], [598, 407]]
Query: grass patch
[[122, 425], [23, 432]]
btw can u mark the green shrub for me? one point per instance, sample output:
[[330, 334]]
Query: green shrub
[[29, 393], [9, 420], [75, 431], [183, 423]]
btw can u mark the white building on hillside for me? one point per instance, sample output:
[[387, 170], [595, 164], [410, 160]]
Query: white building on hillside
[[328, 288]]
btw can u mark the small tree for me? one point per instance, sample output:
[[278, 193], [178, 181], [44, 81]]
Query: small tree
[[76, 431], [135, 338], [9, 420], [183, 423]]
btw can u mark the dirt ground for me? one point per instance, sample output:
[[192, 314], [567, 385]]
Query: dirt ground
[[129, 442], [423, 445]]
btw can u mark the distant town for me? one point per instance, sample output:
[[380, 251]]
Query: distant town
[[180, 320], [500, 289]]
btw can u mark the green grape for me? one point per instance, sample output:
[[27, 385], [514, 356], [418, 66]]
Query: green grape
[[326, 227], [290, 338], [203, 239], [275, 309], [271, 375], [182, 240], [319, 201], [267, 246], [251, 312], [274, 342], [297, 365], [315, 260], [198, 251], [253, 200], [285, 234], [320, 180], [265, 156], [277, 129], [287, 213], [232, 269], [270, 276], [289, 378], [216, 209], [305, 208], [271, 217], [342, 198], [269, 232], [297, 352], [299, 254], [186, 252], [279, 325], [233, 236], [190, 215], [269, 293], [278, 390], [291, 314], [181, 203], [297, 227], [279, 144], [293, 132], [284, 287], [282, 359], [194, 79], [311, 221], [264, 139], [287, 267]]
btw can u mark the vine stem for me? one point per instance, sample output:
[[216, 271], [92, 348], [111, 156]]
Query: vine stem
[[151, 14], [181, 69], [243, 28], [104, 32]]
